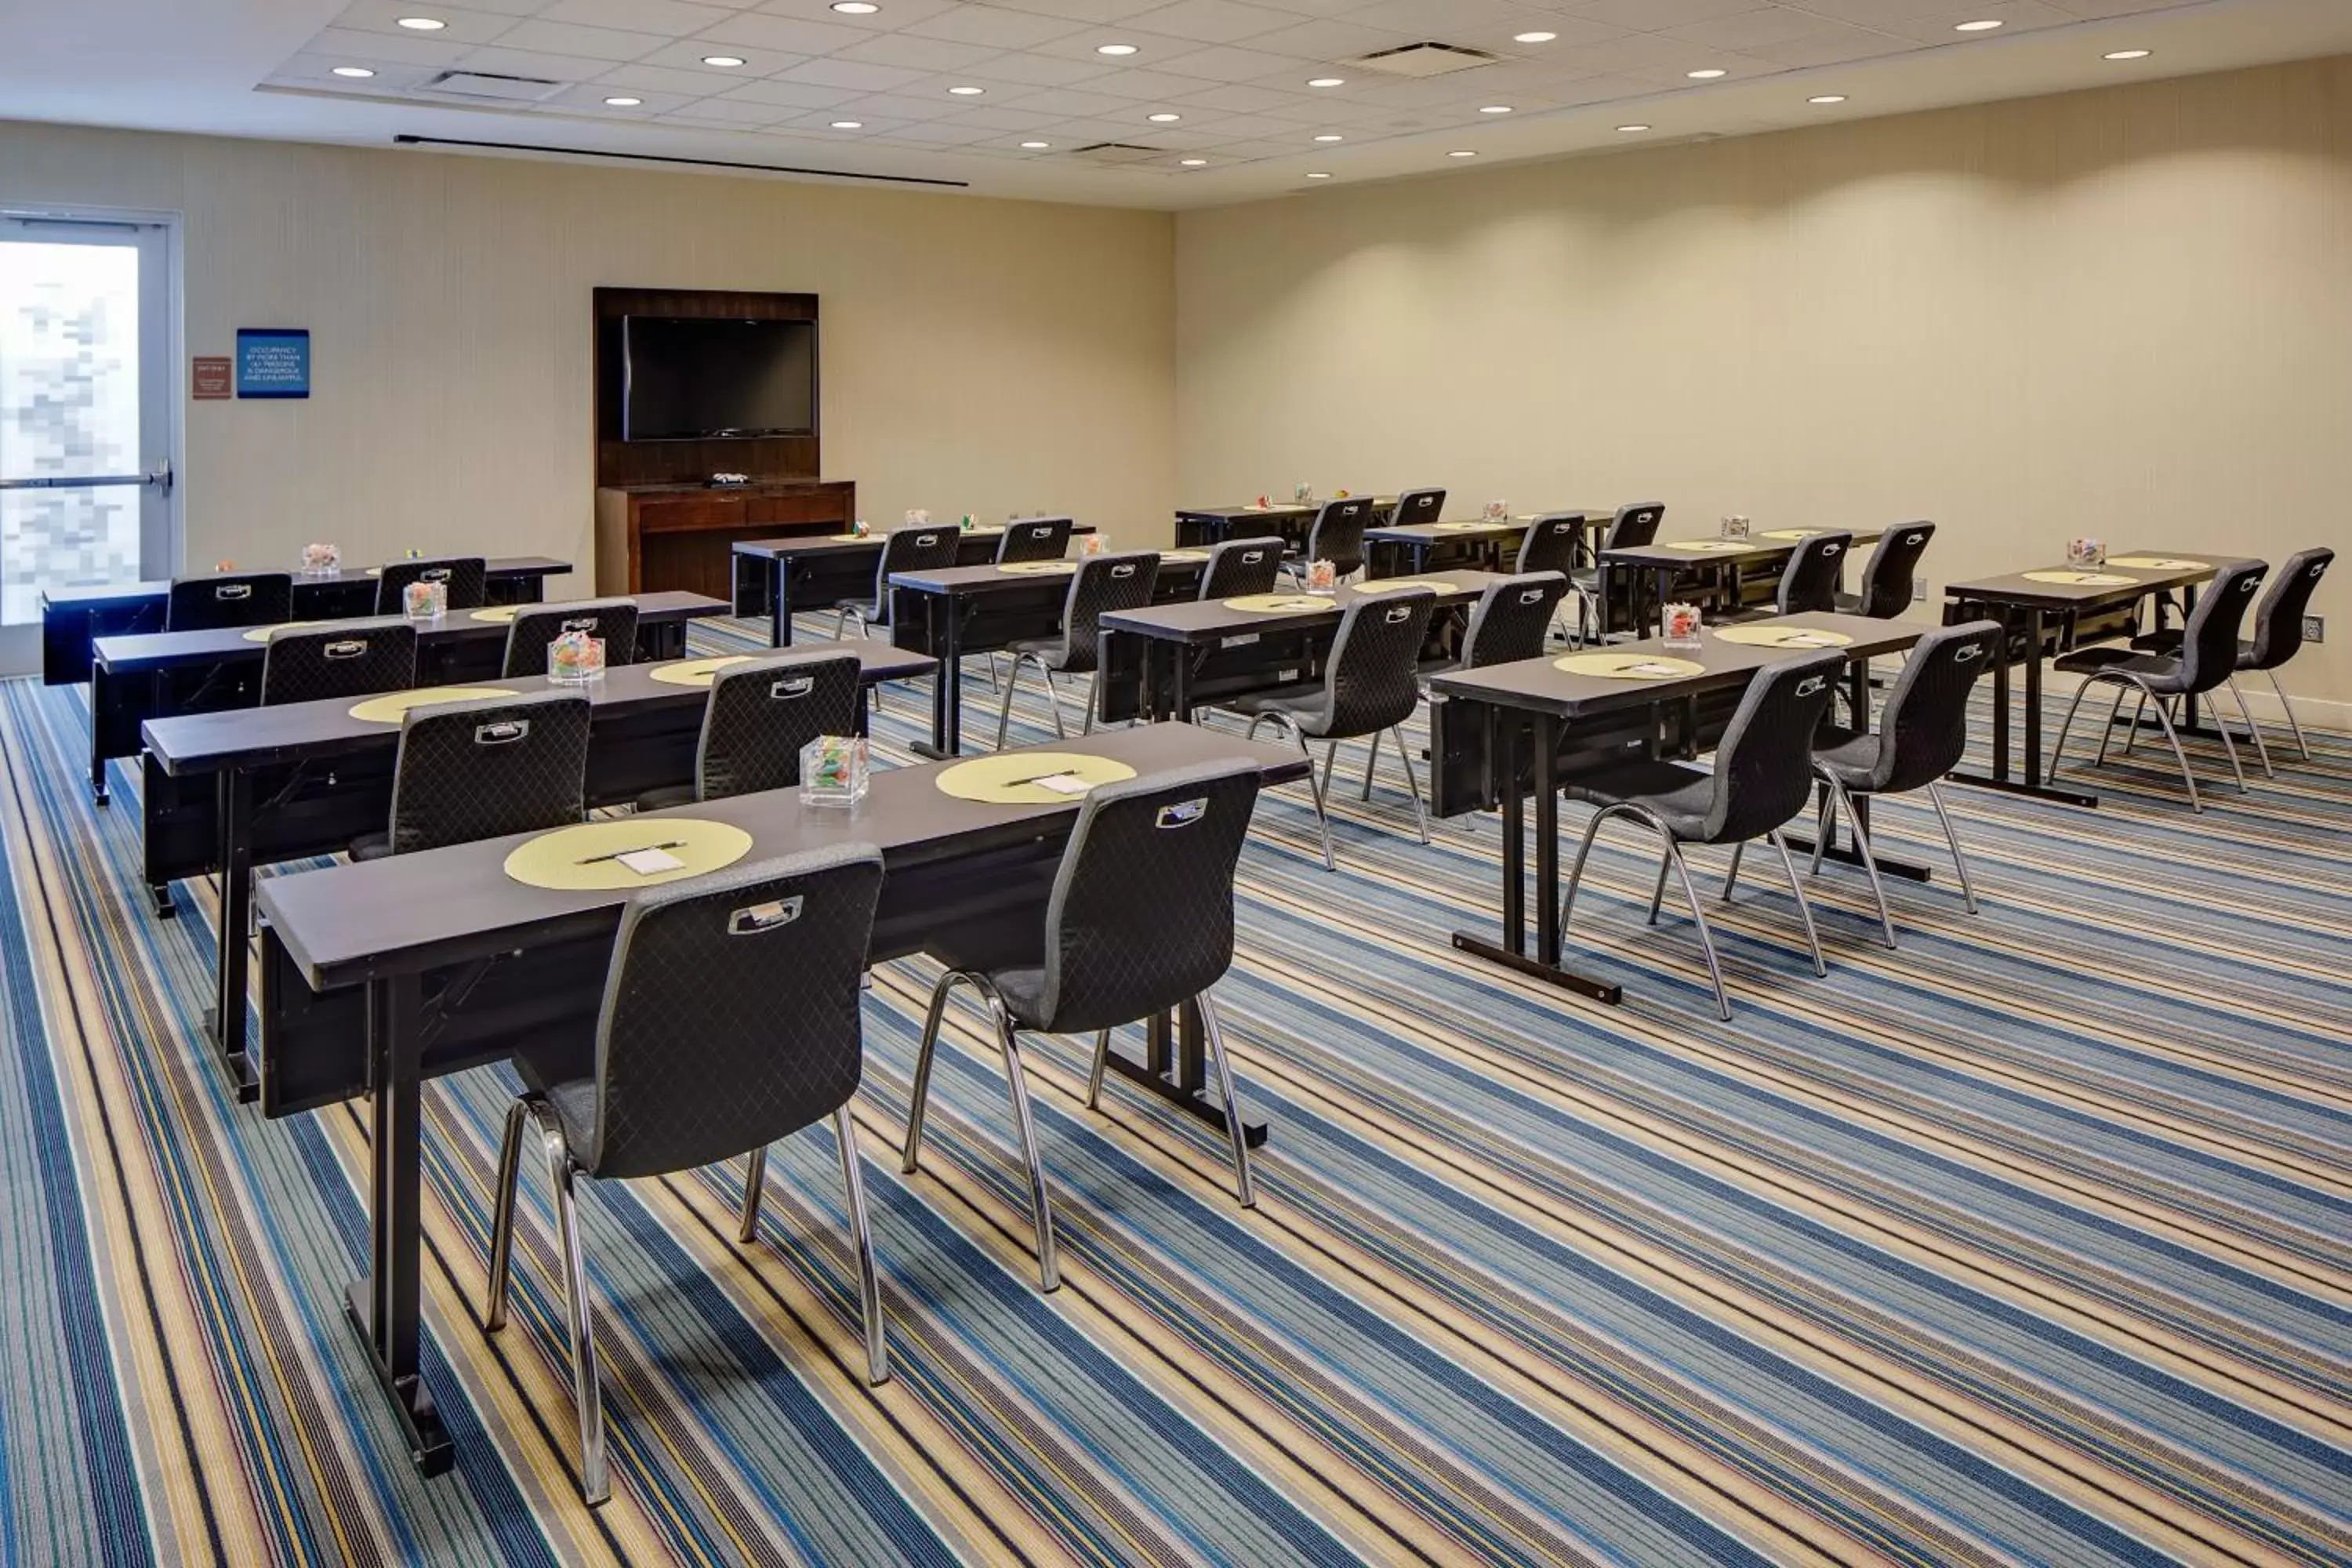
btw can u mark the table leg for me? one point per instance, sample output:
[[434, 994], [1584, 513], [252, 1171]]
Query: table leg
[[947, 694], [780, 601], [387, 1304], [1178, 705], [226, 1024], [100, 694], [1175, 1068], [2028, 779], [1858, 692], [1511, 953]]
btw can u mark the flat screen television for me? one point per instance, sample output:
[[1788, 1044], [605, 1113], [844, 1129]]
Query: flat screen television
[[707, 378]]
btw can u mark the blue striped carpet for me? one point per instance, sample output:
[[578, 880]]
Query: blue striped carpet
[[2027, 1244]]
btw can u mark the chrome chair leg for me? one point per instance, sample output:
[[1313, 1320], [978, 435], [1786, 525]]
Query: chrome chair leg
[[1371, 761], [1731, 872], [755, 1178], [1017, 1085], [1960, 861], [1658, 893], [1824, 818], [1705, 936], [2164, 717], [1005, 710], [1869, 862], [2114, 711], [2229, 746], [595, 1485], [1095, 1073], [1094, 697], [1316, 787], [2262, 747], [2292, 722], [1236, 1134], [919, 1098], [1804, 905], [2058, 752], [1576, 868], [2131, 734], [1413, 782], [1330, 761], [869, 1282], [1053, 696], [502, 1213]]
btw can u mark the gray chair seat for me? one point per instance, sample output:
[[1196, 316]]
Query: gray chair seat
[[1300, 700], [666, 796], [1848, 603], [1023, 991], [1853, 756], [1050, 650], [2161, 671], [371, 846], [1678, 794]]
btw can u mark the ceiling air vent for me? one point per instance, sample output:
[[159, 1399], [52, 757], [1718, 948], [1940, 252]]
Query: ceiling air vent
[[1422, 59], [1117, 152], [494, 85]]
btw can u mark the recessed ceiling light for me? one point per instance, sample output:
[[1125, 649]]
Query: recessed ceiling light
[[1495, 109], [1533, 38], [1462, 155], [1827, 98], [1035, 146], [423, 24], [1985, 27], [357, 73], [849, 125], [967, 91], [623, 102], [724, 62], [1163, 118], [856, 7], [1708, 74], [1114, 48], [2128, 54], [1192, 162], [1330, 136], [1319, 174], [1632, 128], [1326, 81]]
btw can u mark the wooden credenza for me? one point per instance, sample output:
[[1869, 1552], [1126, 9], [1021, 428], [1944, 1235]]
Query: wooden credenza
[[650, 537]]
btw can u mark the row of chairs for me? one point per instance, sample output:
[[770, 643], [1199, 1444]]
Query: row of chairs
[[306, 665], [227, 600]]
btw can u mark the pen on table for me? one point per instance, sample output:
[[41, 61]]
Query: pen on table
[[616, 855]]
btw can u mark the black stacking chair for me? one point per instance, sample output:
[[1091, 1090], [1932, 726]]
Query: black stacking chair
[[229, 599], [1553, 542], [2207, 659], [1110, 957], [308, 665], [1242, 566], [1369, 687], [1810, 581], [2278, 638], [1762, 775], [1508, 623], [1417, 507], [1102, 585], [1633, 526], [731, 1019], [1894, 567], [1337, 536], [467, 577], [1033, 539], [758, 718], [1921, 735], [469, 770], [536, 626], [929, 548]]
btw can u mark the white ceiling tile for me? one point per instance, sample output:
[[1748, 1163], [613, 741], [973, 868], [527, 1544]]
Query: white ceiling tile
[[531, 62], [1039, 70], [852, 73], [1069, 102], [1211, 21], [894, 14], [1325, 41], [1441, 20], [739, 111], [1768, 25], [1656, 16], [412, 49], [646, 78], [670, 18], [1229, 64], [821, 122], [1240, 99], [317, 70], [463, 26], [898, 105], [687, 55], [1085, 10], [785, 34], [994, 117], [918, 54], [792, 94], [1835, 48], [587, 43], [1936, 27], [995, 28], [941, 133], [589, 96], [1144, 85]]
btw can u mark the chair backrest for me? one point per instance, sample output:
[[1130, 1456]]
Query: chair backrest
[[1369, 681], [2278, 624], [1415, 508], [1553, 542], [1810, 581], [1102, 585], [357, 660], [1338, 535], [467, 577], [929, 548], [2209, 643], [732, 1011], [1240, 566], [1033, 539], [536, 626], [1512, 619], [479, 770], [1894, 567], [1924, 729], [762, 712], [1764, 764], [1141, 915], [1634, 525], [229, 599]]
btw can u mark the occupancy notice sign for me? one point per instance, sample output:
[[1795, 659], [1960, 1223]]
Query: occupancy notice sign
[[273, 362]]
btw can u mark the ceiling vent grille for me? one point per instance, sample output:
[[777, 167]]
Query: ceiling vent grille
[[494, 85], [1117, 152], [1422, 59]]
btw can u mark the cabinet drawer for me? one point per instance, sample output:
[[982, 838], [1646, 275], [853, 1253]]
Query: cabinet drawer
[[673, 516], [805, 506]]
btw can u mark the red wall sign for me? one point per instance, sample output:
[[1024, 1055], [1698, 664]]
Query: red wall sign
[[212, 377]]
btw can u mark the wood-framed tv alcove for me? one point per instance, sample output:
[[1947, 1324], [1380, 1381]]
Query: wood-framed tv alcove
[[659, 523]]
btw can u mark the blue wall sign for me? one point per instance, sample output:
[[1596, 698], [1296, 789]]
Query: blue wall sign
[[273, 362]]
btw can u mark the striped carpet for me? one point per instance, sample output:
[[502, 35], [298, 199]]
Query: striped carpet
[[2031, 1243]]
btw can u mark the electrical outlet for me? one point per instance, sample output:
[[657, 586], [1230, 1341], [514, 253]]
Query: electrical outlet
[[2314, 628], [1919, 590]]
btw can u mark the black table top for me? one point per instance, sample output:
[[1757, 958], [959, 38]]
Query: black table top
[[1757, 547], [298, 731], [350, 923], [1538, 685], [1200, 621], [830, 544], [954, 581], [1277, 508], [2016, 588], [162, 650], [111, 593]]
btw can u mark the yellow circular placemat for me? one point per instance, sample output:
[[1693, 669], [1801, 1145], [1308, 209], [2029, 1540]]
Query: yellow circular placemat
[[696, 672], [1041, 568], [979, 528], [853, 538], [1397, 585], [555, 860], [1628, 665], [2080, 579], [389, 708], [1709, 546], [263, 634], [375, 571], [1280, 604], [2158, 563], [1183, 555], [1783, 638], [496, 613], [997, 780], [1794, 532]]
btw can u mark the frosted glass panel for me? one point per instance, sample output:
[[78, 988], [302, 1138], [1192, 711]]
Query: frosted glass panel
[[68, 405]]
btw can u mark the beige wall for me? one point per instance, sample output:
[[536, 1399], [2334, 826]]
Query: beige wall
[[978, 355], [2125, 313]]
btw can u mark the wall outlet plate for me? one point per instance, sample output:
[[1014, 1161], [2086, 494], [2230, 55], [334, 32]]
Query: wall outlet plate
[[1919, 590], [2314, 628]]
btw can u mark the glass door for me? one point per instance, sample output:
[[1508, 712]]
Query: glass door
[[86, 414]]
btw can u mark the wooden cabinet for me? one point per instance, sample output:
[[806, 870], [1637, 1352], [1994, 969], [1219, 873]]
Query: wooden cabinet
[[650, 537]]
